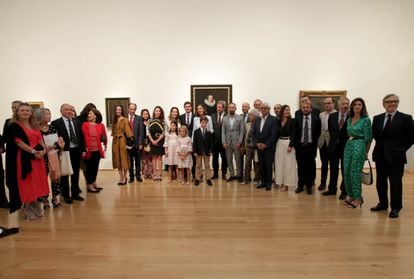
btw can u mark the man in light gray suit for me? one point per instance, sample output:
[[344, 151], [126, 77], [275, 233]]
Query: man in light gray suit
[[232, 138]]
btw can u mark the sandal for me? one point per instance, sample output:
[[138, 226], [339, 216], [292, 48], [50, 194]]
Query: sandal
[[55, 203]]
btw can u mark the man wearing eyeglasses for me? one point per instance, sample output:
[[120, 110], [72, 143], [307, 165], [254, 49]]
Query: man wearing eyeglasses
[[393, 132]]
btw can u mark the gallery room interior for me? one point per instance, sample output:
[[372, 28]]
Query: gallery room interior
[[152, 52]]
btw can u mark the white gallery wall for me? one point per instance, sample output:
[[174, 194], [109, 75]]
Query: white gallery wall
[[82, 51]]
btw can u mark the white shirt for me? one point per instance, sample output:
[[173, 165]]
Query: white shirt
[[262, 122], [386, 117], [231, 121]]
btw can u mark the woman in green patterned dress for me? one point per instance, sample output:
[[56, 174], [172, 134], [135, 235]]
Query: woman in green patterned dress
[[356, 150]]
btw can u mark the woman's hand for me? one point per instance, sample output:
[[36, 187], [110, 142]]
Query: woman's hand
[[289, 149], [61, 142]]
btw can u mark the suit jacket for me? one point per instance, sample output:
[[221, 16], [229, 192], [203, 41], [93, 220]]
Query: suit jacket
[[217, 128], [269, 134], [315, 130], [183, 121], [245, 116], [232, 135], [315, 112], [391, 146], [60, 126], [138, 130], [337, 137], [202, 146]]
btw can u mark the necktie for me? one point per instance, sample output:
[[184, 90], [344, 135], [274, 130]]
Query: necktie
[[203, 133], [387, 125], [219, 119], [188, 119], [306, 131], [72, 135], [341, 121], [131, 122]]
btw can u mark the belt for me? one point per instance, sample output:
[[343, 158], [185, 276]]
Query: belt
[[355, 138], [284, 138]]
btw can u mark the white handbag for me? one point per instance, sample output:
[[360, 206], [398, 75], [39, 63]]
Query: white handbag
[[65, 164], [366, 177]]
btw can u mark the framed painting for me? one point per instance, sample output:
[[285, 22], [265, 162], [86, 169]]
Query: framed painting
[[110, 104], [36, 105], [317, 97], [209, 95]]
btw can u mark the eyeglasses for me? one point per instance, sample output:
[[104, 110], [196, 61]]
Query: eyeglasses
[[392, 102]]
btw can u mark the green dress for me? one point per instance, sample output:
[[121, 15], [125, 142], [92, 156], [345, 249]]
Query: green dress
[[360, 134]]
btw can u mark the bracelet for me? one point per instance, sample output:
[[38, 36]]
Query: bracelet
[[33, 151]]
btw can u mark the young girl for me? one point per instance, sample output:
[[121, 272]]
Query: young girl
[[184, 150], [170, 145]]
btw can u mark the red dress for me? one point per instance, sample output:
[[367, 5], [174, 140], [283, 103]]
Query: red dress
[[35, 184]]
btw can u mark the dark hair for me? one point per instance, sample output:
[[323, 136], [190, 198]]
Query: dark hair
[[176, 125], [364, 112], [203, 118], [145, 110], [187, 103], [204, 108], [178, 114], [86, 109], [115, 117], [98, 115], [282, 112], [161, 114]]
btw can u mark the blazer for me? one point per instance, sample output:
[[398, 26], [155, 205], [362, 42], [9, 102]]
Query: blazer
[[337, 137], [391, 147], [60, 126], [315, 130], [138, 130], [315, 112], [202, 146], [216, 127], [269, 134], [232, 136], [183, 121], [101, 137]]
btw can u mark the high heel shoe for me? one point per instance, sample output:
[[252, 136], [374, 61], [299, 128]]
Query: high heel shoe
[[356, 203], [96, 187], [92, 191], [56, 203]]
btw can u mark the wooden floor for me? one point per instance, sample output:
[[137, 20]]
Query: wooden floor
[[161, 230]]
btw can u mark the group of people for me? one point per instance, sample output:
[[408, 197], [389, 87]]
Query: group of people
[[268, 149]]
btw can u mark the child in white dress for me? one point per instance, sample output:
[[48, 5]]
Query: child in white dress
[[184, 150], [170, 145]]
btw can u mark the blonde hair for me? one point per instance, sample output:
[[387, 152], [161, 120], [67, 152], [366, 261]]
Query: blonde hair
[[185, 129]]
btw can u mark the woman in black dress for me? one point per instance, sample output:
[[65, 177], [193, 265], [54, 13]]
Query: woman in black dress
[[155, 130]]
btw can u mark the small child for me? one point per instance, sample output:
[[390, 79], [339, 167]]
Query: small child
[[170, 145], [184, 153], [202, 148]]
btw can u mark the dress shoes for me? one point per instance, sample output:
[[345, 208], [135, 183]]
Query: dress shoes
[[268, 187], [4, 205], [309, 191], [329, 193], [78, 198], [131, 180], [322, 187], [260, 186], [298, 190], [92, 191], [231, 178], [5, 232], [240, 179], [68, 200], [214, 176], [342, 196], [379, 207], [209, 183], [139, 179], [394, 213], [197, 182]]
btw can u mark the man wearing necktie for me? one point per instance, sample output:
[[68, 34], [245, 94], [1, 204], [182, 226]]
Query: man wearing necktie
[[135, 123], [218, 150], [393, 132], [69, 129]]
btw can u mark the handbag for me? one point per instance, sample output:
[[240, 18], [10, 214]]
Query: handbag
[[65, 164], [366, 177]]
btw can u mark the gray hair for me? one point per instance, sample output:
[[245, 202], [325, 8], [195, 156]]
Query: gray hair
[[254, 112], [389, 96], [265, 104], [39, 114]]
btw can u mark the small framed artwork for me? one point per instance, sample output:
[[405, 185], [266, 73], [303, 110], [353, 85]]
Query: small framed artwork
[[209, 95], [36, 105], [317, 97], [110, 104]]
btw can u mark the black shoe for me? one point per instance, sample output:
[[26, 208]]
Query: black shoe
[[92, 191], [78, 198], [322, 187], [342, 196], [298, 190], [268, 187], [231, 178], [379, 207], [139, 179], [309, 190], [214, 176], [209, 183], [68, 200], [394, 213], [131, 180], [197, 182], [329, 193], [98, 188], [5, 232], [4, 205], [240, 179], [260, 186]]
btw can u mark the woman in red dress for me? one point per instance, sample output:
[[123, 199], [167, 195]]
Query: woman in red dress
[[31, 172]]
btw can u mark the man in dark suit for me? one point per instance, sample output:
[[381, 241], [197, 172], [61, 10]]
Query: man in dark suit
[[135, 122], [218, 149], [202, 149], [308, 130], [187, 119], [69, 128], [265, 134], [393, 132], [307, 100], [337, 139]]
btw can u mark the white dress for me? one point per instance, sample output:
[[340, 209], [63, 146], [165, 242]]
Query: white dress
[[172, 144], [185, 145]]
